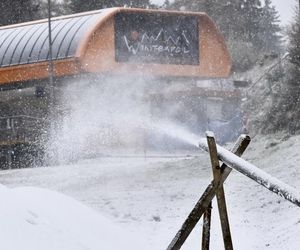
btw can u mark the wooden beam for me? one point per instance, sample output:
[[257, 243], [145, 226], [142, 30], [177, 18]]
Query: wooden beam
[[258, 175], [220, 192], [206, 228]]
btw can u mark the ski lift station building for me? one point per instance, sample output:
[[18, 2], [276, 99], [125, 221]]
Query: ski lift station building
[[162, 44]]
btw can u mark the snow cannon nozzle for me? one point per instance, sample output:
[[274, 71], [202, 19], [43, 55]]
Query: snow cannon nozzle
[[202, 144]]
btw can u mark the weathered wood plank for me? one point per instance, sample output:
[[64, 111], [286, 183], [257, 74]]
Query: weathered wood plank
[[206, 228], [220, 192]]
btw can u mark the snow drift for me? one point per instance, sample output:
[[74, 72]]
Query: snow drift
[[34, 218]]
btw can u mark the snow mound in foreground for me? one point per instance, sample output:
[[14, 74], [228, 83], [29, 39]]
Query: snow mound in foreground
[[34, 218]]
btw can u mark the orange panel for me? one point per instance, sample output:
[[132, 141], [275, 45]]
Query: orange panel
[[36, 71], [98, 55]]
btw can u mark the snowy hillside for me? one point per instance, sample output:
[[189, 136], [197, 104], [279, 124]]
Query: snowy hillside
[[149, 199]]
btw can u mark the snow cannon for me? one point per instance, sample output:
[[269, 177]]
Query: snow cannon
[[181, 56]]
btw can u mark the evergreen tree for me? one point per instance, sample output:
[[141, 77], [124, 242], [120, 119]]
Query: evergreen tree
[[58, 8], [166, 4], [16, 11], [285, 113], [269, 37], [250, 28], [294, 51], [86, 5]]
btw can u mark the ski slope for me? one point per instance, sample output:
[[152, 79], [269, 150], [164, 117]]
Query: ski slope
[[138, 201]]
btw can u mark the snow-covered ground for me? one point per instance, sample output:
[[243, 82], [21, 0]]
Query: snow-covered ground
[[148, 199], [33, 218]]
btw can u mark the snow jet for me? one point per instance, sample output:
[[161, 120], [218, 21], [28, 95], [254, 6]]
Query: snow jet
[[110, 114]]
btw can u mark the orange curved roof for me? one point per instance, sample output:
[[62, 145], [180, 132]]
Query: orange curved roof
[[28, 43], [115, 41]]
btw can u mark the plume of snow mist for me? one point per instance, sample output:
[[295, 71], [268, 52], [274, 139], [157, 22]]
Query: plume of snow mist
[[110, 114]]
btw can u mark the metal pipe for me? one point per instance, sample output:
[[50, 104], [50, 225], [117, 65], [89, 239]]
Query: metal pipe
[[273, 184], [50, 63]]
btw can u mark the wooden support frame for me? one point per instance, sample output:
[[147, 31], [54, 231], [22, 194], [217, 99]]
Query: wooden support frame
[[233, 160], [206, 198]]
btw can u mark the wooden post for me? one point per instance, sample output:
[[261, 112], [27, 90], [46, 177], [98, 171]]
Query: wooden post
[[206, 228], [204, 201], [220, 192]]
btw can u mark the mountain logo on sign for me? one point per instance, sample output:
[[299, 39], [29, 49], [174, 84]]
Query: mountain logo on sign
[[157, 44]]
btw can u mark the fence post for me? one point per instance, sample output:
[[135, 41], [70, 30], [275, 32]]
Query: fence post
[[220, 192]]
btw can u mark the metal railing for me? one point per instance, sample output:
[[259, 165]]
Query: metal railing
[[231, 160], [20, 128]]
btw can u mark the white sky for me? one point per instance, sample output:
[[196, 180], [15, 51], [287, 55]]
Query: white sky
[[285, 8]]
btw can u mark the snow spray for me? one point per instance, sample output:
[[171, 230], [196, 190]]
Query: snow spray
[[110, 113]]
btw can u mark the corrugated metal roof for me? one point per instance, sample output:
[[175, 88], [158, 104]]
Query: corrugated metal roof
[[29, 43]]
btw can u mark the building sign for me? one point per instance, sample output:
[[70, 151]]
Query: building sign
[[156, 38]]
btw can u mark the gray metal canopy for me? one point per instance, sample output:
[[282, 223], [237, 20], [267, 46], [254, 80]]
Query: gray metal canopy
[[29, 43]]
